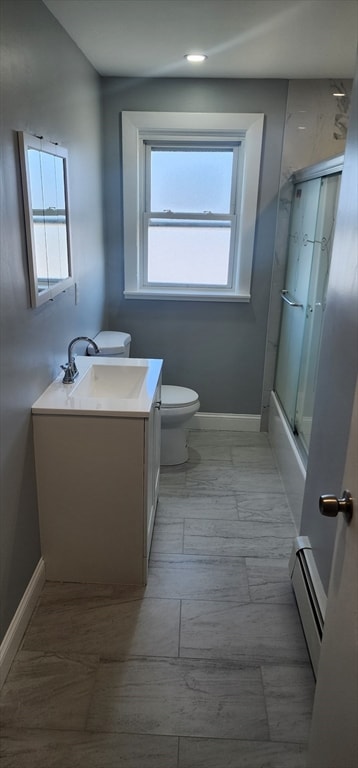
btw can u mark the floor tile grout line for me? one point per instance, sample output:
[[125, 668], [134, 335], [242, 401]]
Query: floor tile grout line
[[179, 633], [158, 736], [91, 694], [242, 662], [178, 752], [171, 520], [265, 703]]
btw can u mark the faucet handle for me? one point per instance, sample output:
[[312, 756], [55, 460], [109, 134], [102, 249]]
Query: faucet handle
[[69, 375]]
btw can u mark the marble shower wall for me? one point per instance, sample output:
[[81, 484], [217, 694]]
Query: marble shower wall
[[316, 128]]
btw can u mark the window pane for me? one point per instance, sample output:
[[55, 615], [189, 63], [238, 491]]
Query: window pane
[[191, 180], [51, 251], [188, 255]]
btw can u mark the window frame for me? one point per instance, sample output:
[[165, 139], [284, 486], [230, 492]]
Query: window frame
[[188, 144], [139, 128]]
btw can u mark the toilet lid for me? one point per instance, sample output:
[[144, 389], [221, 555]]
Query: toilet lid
[[111, 342], [178, 396]]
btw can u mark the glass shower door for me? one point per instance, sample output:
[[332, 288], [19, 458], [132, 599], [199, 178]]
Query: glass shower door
[[295, 293], [321, 259]]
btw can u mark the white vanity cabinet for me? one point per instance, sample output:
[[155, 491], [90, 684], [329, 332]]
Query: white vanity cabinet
[[153, 428], [97, 481]]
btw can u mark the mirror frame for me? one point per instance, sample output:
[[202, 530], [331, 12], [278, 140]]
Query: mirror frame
[[26, 143]]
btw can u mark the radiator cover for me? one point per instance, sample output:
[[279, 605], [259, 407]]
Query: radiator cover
[[310, 596]]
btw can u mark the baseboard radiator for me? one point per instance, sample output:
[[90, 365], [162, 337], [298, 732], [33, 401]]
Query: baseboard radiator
[[310, 596]]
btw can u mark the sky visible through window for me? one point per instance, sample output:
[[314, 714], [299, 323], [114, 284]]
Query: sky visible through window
[[193, 181]]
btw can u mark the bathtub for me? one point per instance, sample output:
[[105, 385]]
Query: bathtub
[[289, 460]]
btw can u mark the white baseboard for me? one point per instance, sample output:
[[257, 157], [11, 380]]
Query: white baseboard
[[231, 422], [15, 633]]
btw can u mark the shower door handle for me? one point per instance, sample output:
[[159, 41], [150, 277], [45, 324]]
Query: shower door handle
[[292, 303]]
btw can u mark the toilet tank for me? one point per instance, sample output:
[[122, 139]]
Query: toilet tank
[[111, 344]]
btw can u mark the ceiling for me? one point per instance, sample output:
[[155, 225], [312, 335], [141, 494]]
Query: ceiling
[[242, 38]]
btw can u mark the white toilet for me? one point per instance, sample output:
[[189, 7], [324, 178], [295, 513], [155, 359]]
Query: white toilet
[[178, 403], [178, 406]]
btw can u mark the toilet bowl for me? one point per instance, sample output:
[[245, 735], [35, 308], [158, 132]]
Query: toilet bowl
[[178, 404]]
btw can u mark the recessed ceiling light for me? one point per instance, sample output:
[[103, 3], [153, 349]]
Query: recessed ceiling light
[[195, 58], [336, 93]]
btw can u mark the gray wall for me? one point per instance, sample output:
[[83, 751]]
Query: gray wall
[[47, 88], [216, 348]]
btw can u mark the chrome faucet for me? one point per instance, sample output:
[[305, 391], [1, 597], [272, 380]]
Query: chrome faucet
[[70, 367]]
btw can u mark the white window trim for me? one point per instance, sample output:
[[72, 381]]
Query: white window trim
[[136, 126]]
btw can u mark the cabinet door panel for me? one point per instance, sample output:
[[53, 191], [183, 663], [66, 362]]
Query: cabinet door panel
[[153, 463], [91, 497]]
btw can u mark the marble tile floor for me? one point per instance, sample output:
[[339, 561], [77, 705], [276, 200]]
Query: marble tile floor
[[205, 667]]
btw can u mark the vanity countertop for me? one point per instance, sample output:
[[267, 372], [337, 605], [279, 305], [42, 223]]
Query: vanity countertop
[[104, 388]]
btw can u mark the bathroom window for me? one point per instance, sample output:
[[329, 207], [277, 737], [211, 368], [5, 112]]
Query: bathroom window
[[190, 185], [189, 217]]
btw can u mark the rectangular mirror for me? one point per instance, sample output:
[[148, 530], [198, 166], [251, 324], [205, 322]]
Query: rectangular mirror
[[45, 193]]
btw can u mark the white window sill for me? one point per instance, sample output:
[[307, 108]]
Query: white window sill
[[174, 295]]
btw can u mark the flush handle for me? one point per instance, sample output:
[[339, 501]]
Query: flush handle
[[329, 505]]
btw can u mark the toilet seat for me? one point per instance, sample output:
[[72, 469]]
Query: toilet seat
[[178, 397]]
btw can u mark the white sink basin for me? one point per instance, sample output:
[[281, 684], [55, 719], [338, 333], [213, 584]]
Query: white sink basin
[[111, 381], [107, 386]]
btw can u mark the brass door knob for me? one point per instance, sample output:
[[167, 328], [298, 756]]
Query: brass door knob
[[330, 505]]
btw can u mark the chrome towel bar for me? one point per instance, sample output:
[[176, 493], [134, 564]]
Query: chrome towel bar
[[285, 296]]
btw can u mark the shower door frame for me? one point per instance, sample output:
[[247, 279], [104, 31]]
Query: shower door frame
[[330, 167]]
